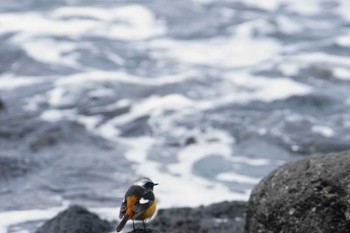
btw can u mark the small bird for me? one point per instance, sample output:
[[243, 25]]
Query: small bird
[[139, 203]]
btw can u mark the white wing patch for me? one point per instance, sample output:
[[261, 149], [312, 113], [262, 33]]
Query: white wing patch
[[143, 201]]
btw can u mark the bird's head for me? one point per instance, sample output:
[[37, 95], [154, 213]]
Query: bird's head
[[145, 182]]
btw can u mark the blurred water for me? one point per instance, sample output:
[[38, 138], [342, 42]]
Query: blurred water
[[204, 97]]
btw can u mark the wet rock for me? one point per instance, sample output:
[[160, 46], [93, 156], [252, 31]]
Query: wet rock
[[190, 140], [306, 196], [76, 219], [221, 217], [143, 231], [2, 105]]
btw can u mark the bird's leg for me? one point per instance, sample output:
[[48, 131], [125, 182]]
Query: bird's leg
[[133, 225], [144, 226]]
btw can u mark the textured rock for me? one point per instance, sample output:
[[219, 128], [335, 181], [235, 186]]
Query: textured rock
[[307, 196], [75, 219], [221, 217], [2, 105], [143, 231]]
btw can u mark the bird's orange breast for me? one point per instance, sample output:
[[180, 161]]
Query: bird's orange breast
[[150, 211]]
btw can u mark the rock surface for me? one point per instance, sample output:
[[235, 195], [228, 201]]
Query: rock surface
[[307, 196], [221, 217], [2, 105], [75, 219]]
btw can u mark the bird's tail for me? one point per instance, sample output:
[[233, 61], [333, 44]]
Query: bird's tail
[[122, 223]]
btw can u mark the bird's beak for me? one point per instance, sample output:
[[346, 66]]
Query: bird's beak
[[155, 184]]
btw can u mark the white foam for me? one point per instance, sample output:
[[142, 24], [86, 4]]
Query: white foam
[[343, 9], [31, 25], [270, 5], [67, 91], [344, 40], [257, 88], [86, 78], [153, 105], [33, 103], [89, 12], [253, 88], [14, 217], [237, 51], [9, 218], [179, 186], [266, 5], [139, 23], [310, 7], [138, 154], [193, 153], [22, 231], [59, 97], [10, 82], [342, 73], [234, 177], [281, 88], [289, 69], [133, 22], [287, 25], [51, 51], [320, 57], [56, 115], [249, 161], [323, 130]]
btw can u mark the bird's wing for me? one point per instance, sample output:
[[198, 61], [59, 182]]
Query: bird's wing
[[122, 209], [143, 203]]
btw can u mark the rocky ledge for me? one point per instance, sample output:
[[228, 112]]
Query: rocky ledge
[[307, 196], [2, 105], [221, 217]]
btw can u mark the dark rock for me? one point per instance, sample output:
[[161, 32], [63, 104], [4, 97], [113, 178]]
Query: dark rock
[[307, 196], [75, 219], [143, 231], [221, 217], [190, 140], [2, 105]]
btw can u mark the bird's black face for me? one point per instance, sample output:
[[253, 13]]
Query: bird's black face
[[149, 185]]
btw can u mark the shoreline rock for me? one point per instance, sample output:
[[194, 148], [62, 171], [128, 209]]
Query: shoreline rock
[[220, 217], [75, 219], [2, 105], [307, 196]]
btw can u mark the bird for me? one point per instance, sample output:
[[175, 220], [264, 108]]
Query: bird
[[139, 203]]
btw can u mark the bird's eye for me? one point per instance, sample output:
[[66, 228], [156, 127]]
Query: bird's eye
[[148, 185]]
